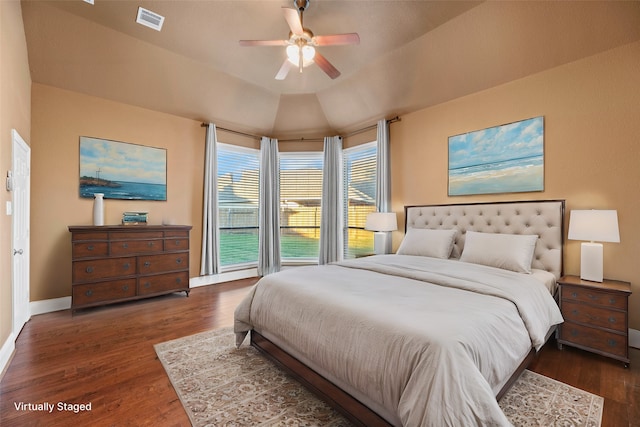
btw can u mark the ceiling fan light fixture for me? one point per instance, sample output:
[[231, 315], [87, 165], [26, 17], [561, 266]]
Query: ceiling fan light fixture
[[293, 54]]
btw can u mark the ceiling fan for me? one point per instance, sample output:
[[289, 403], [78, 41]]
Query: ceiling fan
[[300, 47]]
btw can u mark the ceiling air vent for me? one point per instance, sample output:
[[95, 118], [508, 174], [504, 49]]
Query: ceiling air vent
[[149, 19]]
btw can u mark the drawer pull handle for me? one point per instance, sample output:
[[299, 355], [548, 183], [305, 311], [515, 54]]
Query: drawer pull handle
[[574, 333], [125, 288], [178, 242], [179, 280], [178, 260], [612, 319], [125, 245], [150, 244], [90, 248], [574, 294], [147, 284], [612, 342], [126, 266], [147, 263], [592, 297], [575, 312], [89, 269], [89, 292], [612, 300]]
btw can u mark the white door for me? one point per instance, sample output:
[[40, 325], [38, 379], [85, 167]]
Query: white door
[[20, 227]]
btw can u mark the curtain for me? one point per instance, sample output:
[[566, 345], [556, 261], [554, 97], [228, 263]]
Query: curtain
[[269, 210], [210, 262], [332, 215], [383, 168], [383, 175]]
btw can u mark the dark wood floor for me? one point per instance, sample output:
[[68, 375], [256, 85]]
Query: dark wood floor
[[105, 357]]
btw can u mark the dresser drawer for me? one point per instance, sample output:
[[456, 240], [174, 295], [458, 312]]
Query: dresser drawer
[[89, 235], [98, 292], [163, 283], [594, 296], [136, 234], [152, 264], [594, 316], [183, 234], [130, 247], [93, 270], [171, 245], [89, 249], [595, 339]]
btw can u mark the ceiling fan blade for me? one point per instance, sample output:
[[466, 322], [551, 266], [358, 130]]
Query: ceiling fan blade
[[337, 39], [326, 66], [293, 19], [284, 70], [263, 42]]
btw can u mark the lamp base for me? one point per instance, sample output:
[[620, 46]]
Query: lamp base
[[381, 242], [591, 262]]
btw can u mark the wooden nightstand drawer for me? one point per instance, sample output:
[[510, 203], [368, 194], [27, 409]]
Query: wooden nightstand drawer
[[594, 316], [595, 339], [594, 296]]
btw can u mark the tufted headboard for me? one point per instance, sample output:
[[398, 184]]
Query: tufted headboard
[[541, 217]]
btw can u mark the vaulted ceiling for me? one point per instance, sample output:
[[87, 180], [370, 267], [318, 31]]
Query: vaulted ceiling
[[412, 54]]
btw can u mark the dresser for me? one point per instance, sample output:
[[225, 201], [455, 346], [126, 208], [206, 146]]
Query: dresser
[[119, 263], [596, 316]]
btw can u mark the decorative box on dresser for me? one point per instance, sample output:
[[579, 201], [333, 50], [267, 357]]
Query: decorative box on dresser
[[116, 263], [595, 316]]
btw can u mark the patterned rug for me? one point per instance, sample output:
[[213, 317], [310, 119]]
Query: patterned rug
[[220, 385]]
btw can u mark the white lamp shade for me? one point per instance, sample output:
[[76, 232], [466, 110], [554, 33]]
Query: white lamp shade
[[381, 221], [594, 225]]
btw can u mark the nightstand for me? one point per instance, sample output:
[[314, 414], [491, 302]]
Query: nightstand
[[595, 316]]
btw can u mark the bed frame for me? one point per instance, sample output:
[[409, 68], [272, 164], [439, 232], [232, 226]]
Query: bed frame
[[542, 217]]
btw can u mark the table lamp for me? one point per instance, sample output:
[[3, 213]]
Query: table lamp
[[594, 226], [382, 223]]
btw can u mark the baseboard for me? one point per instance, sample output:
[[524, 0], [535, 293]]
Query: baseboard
[[634, 338], [6, 353], [49, 305], [195, 282]]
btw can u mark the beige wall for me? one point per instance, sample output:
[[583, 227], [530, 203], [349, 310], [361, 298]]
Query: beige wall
[[59, 118], [15, 113], [591, 112]]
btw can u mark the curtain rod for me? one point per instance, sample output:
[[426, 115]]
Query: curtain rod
[[250, 135], [355, 132]]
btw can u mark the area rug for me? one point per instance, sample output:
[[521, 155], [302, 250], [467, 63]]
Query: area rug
[[220, 385]]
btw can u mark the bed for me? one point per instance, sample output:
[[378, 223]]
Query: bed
[[432, 335]]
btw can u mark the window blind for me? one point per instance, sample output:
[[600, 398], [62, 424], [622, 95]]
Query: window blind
[[300, 197], [238, 192], [359, 197]]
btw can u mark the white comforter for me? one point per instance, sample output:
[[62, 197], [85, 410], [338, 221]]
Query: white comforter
[[418, 354]]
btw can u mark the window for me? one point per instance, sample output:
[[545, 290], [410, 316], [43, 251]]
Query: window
[[359, 197], [238, 191], [300, 197]]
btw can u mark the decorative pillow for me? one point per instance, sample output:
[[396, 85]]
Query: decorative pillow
[[507, 251], [427, 242]]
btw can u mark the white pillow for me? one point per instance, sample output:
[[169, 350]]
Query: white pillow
[[507, 251], [427, 242]]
